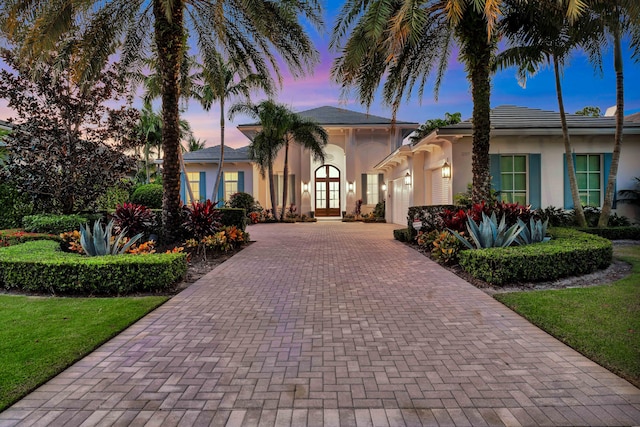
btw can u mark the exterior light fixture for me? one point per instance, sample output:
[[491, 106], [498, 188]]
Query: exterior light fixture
[[407, 179], [446, 170], [384, 187], [351, 187], [305, 187]]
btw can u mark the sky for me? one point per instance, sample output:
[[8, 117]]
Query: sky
[[582, 86]]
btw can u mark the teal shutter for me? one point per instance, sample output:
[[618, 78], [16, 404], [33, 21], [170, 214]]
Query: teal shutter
[[203, 186], [183, 188], [535, 178], [568, 199], [292, 189], [240, 181], [220, 201], [494, 170], [364, 189], [607, 169]]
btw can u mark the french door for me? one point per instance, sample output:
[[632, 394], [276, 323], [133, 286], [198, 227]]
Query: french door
[[327, 179]]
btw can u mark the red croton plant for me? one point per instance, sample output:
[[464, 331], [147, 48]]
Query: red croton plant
[[457, 219]]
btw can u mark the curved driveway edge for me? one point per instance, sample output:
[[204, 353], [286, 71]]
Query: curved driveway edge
[[331, 324]]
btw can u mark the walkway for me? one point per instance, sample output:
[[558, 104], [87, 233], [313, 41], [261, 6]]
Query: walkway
[[331, 324]]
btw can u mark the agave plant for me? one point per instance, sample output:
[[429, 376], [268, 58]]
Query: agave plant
[[534, 233], [99, 242], [489, 234]]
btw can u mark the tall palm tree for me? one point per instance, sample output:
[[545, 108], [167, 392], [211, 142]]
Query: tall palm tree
[[281, 127], [194, 144], [222, 80], [404, 41], [541, 34], [251, 34]]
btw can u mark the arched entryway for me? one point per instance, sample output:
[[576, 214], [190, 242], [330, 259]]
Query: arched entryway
[[327, 179]]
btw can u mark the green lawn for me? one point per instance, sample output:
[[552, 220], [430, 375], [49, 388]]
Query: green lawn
[[41, 336], [601, 322]]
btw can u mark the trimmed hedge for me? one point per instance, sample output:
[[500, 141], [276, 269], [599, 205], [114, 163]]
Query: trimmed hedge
[[569, 253], [233, 216], [615, 233], [17, 235], [429, 215], [149, 195], [42, 267], [53, 224], [402, 234]]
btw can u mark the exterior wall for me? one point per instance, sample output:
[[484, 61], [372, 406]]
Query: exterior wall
[[211, 169]]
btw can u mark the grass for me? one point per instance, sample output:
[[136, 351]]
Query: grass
[[601, 322], [41, 336]]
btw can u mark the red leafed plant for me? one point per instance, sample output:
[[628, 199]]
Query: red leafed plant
[[512, 211], [135, 218], [201, 219], [454, 220]]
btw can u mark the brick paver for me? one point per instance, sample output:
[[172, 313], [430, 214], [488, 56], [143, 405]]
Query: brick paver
[[331, 324]]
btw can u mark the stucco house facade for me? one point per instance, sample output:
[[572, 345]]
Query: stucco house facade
[[366, 159]]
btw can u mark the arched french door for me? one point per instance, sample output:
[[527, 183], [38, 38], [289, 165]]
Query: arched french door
[[327, 179]]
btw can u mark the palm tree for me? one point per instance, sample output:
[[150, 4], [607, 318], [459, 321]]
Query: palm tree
[[249, 34], [281, 127], [540, 34], [194, 144], [222, 80], [619, 17], [403, 40]]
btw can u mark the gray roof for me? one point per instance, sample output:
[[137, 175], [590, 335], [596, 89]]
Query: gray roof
[[212, 155], [513, 117], [632, 118]]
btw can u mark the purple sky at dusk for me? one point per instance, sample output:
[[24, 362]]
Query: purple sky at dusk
[[581, 86]]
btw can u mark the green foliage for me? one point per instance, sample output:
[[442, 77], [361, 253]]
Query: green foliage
[[100, 242], [242, 201], [149, 195], [201, 219], [16, 236], [42, 267], [114, 196], [13, 207], [53, 224], [425, 240], [489, 234], [233, 217], [535, 232], [379, 210], [134, 218], [615, 233], [569, 253], [430, 125], [557, 217], [446, 248], [428, 215], [402, 235], [589, 111]]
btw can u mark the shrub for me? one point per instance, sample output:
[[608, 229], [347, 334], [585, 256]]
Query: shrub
[[135, 218], [592, 216], [149, 195], [402, 235], [569, 253], [242, 201], [488, 233], [114, 196], [101, 242], [13, 206], [201, 219], [233, 217], [53, 224], [446, 248], [430, 216], [557, 217], [379, 210], [42, 267], [615, 233], [17, 235], [425, 240]]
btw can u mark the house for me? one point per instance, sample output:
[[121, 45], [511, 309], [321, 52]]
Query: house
[[366, 159], [356, 144], [527, 161]]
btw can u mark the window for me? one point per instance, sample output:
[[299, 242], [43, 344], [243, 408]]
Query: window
[[373, 189], [230, 184], [194, 183], [589, 177], [513, 177]]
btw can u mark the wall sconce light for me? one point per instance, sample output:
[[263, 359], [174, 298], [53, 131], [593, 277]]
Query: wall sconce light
[[305, 187], [351, 187], [446, 170], [384, 187], [407, 179]]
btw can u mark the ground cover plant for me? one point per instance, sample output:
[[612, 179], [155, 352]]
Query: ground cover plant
[[601, 322], [42, 336]]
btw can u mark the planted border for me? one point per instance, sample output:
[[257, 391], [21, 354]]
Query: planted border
[[569, 253], [41, 267], [615, 233]]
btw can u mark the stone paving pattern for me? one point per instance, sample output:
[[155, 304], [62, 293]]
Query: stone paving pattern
[[331, 324]]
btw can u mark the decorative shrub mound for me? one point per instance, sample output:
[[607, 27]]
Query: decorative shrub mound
[[242, 201], [402, 234], [149, 195], [428, 215], [17, 235], [41, 267], [233, 217], [569, 253], [53, 224], [614, 233]]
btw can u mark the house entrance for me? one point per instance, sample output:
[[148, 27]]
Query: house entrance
[[327, 179]]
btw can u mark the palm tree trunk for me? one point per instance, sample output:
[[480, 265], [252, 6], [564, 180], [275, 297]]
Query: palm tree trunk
[[221, 163], [573, 183], [272, 191], [285, 178], [603, 221], [481, 93], [169, 38]]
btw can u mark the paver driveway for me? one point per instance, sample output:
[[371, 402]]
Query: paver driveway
[[331, 323]]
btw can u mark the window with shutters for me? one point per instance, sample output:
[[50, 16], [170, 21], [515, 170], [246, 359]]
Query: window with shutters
[[373, 189], [513, 177], [230, 184], [589, 177], [194, 183]]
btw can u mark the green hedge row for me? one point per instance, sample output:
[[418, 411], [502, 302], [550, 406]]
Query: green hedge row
[[17, 235], [41, 267], [615, 233], [569, 253], [402, 234], [53, 224]]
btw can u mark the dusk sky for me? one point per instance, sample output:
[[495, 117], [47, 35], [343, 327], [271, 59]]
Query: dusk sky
[[582, 86]]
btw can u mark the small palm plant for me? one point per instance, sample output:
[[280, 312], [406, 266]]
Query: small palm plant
[[102, 242], [489, 234]]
